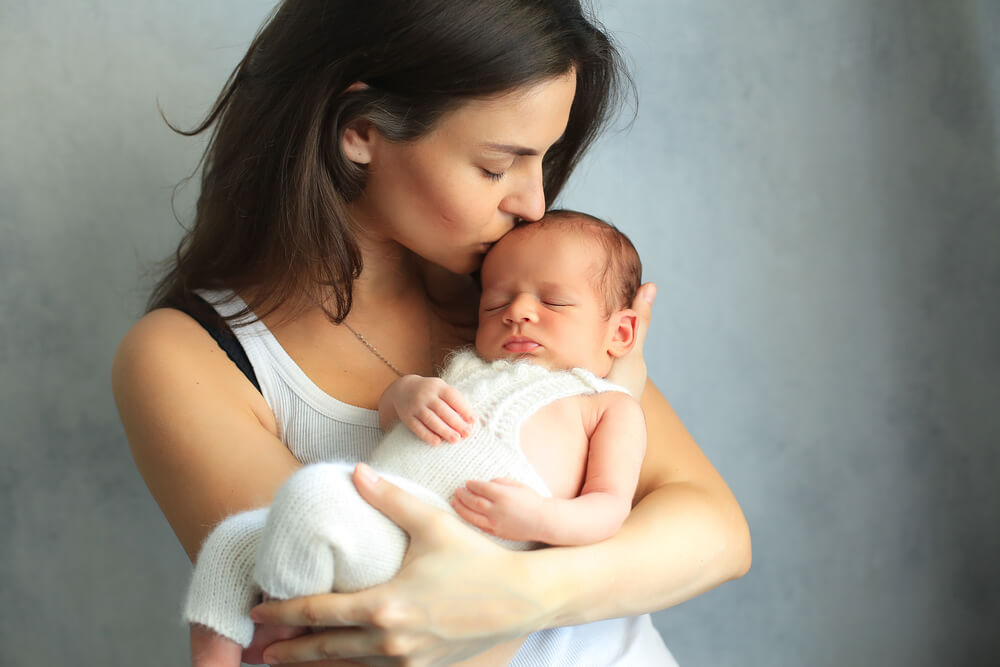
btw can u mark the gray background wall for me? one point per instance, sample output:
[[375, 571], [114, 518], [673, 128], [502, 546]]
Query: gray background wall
[[814, 186]]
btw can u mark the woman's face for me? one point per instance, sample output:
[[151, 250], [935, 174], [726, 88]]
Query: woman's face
[[451, 193]]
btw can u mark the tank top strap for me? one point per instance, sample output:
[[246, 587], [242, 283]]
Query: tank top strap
[[202, 312]]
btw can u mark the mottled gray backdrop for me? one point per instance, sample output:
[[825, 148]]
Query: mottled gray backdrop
[[813, 185]]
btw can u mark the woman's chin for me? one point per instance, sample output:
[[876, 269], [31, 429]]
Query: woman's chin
[[464, 266]]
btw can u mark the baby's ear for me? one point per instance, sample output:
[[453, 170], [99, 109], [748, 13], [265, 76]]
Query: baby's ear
[[623, 325]]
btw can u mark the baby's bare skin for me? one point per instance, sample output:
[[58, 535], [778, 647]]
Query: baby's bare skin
[[555, 440]]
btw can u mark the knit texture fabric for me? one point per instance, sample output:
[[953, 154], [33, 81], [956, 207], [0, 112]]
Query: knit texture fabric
[[222, 589], [320, 535]]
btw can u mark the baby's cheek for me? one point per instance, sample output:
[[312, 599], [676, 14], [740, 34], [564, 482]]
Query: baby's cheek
[[483, 344]]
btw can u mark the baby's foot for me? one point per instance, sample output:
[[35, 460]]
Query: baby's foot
[[209, 649], [264, 636]]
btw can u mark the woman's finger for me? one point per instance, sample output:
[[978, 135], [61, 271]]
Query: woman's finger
[[325, 610], [264, 636], [402, 508], [343, 643]]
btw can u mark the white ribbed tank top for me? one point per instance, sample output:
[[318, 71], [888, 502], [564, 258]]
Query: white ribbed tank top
[[317, 427]]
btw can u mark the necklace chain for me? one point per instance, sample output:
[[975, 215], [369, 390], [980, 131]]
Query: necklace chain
[[372, 349]]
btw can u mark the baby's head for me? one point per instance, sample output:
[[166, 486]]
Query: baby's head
[[559, 293]]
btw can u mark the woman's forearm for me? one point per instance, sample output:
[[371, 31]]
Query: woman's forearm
[[678, 542], [685, 535]]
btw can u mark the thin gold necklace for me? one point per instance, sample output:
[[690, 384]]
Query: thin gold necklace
[[374, 350]]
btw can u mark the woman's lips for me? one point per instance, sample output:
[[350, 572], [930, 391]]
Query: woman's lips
[[520, 345]]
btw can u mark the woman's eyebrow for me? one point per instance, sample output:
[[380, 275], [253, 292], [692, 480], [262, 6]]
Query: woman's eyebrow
[[510, 148]]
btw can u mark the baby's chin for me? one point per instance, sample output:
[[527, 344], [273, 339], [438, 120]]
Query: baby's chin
[[538, 359]]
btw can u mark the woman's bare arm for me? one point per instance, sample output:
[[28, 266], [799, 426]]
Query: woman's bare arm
[[200, 433], [685, 535]]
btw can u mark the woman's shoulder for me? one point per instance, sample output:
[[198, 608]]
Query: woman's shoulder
[[200, 434], [163, 336], [159, 334], [165, 352]]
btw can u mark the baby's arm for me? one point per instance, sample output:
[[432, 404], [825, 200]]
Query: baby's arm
[[513, 511], [430, 407]]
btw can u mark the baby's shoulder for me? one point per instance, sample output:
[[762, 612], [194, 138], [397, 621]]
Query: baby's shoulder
[[595, 407]]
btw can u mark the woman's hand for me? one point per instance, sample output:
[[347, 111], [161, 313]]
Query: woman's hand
[[630, 371], [456, 595]]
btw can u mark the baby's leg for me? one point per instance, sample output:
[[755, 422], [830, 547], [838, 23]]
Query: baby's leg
[[322, 536], [222, 590], [209, 649]]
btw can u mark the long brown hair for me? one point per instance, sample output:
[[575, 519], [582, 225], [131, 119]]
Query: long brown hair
[[271, 214]]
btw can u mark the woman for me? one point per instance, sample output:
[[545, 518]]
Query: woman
[[364, 156]]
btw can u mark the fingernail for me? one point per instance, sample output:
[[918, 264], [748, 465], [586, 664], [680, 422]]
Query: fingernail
[[270, 659], [367, 473], [651, 294]]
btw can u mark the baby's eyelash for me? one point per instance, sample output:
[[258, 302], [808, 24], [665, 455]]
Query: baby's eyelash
[[493, 175]]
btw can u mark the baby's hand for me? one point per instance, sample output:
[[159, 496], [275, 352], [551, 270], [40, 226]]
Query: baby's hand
[[502, 507], [431, 408]]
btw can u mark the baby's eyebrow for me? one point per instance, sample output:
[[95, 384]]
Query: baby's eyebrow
[[557, 287]]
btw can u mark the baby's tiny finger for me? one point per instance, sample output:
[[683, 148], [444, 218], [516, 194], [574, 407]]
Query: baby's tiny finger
[[422, 432], [457, 401], [473, 501], [469, 515], [454, 420], [432, 420], [487, 490]]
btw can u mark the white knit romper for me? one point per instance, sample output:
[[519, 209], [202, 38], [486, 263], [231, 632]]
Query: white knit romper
[[320, 535], [317, 427]]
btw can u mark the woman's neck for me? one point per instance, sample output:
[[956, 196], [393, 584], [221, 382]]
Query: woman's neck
[[390, 275]]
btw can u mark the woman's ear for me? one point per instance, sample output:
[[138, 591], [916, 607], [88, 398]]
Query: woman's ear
[[623, 327], [356, 141]]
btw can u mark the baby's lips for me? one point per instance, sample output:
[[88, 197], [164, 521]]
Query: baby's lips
[[520, 344]]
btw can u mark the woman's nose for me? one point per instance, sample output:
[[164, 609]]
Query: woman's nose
[[521, 309], [527, 201]]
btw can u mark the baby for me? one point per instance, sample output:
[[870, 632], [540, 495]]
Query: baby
[[545, 451]]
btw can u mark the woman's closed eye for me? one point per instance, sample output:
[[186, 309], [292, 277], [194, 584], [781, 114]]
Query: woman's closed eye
[[493, 175]]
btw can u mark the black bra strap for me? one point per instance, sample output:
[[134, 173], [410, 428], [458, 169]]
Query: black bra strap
[[203, 313]]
